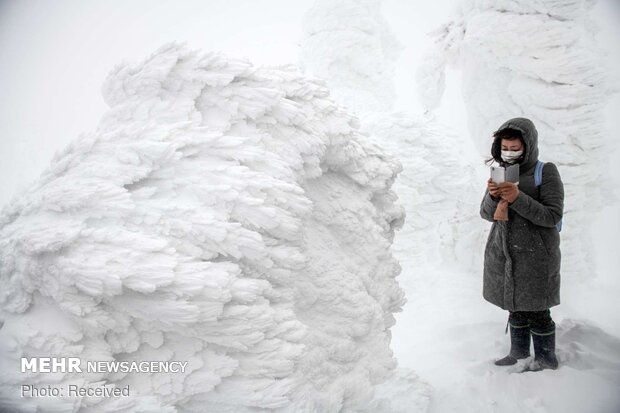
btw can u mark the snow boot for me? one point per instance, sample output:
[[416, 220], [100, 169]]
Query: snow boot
[[519, 345], [544, 351]]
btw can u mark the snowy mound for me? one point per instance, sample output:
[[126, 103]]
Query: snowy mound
[[222, 214]]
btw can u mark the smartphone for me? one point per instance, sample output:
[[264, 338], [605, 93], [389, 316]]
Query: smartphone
[[500, 174]]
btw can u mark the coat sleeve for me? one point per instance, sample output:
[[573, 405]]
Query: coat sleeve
[[549, 209], [488, 206]]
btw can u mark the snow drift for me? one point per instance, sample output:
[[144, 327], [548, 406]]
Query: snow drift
[[228, 215]]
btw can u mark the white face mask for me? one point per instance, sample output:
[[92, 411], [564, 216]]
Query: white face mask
[[511, 156]]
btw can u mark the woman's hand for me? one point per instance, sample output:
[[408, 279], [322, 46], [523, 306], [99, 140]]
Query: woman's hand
[[493, 188], [508, 191]]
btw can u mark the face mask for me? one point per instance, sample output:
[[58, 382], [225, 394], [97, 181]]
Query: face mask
[[511, 156]]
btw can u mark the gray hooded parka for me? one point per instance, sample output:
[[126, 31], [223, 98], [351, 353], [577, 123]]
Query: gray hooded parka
[[522, 255]]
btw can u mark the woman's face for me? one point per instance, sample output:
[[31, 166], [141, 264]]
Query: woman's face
[[511, 145]]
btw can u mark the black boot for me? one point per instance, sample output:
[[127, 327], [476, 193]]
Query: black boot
[[519, 345], [544, 351]]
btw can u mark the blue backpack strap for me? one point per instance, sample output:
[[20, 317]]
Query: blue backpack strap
[[538, 182], [538, 173]]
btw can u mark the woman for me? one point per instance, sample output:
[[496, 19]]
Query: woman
[[522, 254]]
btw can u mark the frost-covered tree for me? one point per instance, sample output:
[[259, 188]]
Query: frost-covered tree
[[434, 187], [223, 214], [351, 46], [537, 59]]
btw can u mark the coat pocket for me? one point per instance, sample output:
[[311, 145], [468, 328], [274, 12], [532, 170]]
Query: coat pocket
[[551, 240], [543, 243], [525, 237]]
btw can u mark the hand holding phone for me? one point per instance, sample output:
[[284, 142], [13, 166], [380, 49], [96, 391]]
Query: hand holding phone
[[508, 191], [493, 188]]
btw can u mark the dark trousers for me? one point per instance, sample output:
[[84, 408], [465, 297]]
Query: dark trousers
[[540, 322]]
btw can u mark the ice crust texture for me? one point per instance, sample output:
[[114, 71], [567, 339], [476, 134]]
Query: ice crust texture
[[540, 60], [350, 45], [224, 214]]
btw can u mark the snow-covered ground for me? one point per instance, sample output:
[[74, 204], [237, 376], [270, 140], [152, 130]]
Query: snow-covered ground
[[450, 337]]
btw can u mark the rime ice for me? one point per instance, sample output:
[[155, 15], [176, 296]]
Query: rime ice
[[224, 214]]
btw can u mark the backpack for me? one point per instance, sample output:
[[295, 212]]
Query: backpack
[[538, 181]]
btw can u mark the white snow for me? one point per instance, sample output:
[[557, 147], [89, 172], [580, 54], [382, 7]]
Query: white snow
[[223, 214], [350, 45], [438, 163], [540, 60], [448, 335], [305, 243]]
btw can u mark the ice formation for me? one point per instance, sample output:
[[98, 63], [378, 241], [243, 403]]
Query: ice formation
[[223, 214], [350, 45], [435, 187], [539, 60], [357, 57]]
